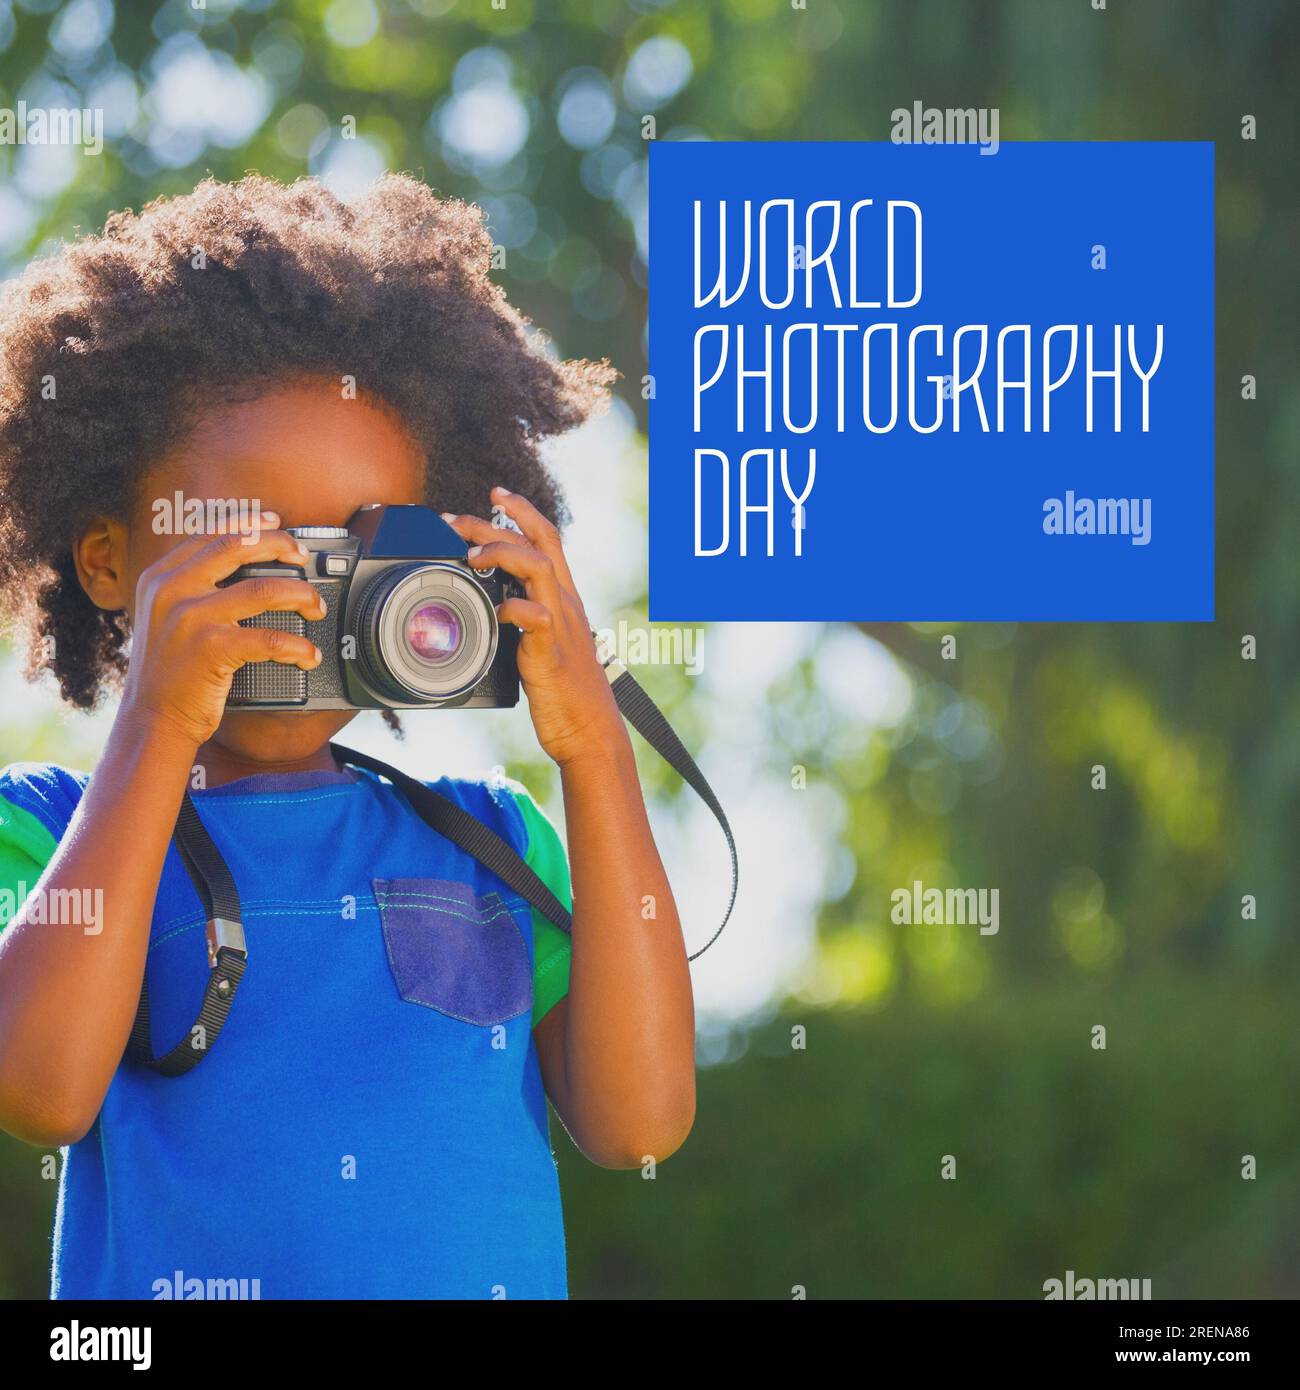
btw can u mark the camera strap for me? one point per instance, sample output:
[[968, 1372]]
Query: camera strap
[[227, 951], [212, 879], [469, 833]]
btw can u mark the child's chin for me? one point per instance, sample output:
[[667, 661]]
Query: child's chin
[[279, 736]]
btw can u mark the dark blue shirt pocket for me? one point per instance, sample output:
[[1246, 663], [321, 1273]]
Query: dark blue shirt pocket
[[453, 951]]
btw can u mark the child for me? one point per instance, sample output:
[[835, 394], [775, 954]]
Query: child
[[371, 1121]]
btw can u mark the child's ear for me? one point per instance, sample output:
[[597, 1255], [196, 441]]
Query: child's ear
[[99, 554]]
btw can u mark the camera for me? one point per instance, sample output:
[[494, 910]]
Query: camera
[[408, 624]]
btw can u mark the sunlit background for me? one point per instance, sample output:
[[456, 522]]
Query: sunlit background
[[852, 760]]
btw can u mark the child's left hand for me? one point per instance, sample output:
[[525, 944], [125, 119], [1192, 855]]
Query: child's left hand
[[569, 696]]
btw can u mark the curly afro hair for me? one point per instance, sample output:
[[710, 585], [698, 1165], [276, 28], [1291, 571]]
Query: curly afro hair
[[221, 292]]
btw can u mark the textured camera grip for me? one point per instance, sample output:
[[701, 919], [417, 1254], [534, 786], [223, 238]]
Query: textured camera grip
[[270, 682]]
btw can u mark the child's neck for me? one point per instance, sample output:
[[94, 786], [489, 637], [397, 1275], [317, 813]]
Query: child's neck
[[221, 765]]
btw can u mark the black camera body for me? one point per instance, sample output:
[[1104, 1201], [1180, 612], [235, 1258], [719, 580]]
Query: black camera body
[[409, 625]]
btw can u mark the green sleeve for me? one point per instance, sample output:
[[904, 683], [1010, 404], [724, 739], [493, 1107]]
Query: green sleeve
[[547, 859], [26, 847]]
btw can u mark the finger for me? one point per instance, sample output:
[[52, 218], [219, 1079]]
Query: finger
[[223, 555], [188, 548], [479, 532], [540, 532], [526, 615], [525, 563], [264, 594], [238, 646]]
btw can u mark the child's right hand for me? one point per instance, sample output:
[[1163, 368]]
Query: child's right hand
[[187, 643]]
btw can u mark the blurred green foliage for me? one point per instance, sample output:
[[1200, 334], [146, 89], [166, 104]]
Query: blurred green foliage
[[821, 1167]]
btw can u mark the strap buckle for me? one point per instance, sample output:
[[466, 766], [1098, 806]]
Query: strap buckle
[[225, 935]]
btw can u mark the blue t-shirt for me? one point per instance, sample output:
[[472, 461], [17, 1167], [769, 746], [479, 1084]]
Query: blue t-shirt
[[370, 1123]]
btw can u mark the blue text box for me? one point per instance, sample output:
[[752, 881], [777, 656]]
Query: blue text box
[[960, 521]]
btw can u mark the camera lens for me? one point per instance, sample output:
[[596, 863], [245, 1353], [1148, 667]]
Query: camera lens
[[433, 632], [427, 632]]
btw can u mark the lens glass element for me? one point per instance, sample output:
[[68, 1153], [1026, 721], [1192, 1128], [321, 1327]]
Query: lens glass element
[[433, 632], [427, 631]]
